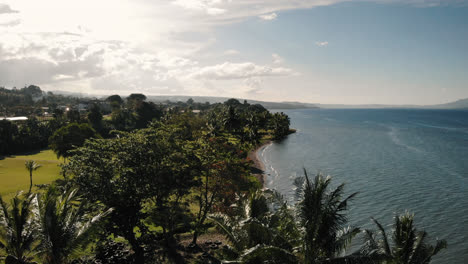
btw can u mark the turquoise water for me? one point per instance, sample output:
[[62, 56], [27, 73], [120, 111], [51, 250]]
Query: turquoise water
[[397, 160]]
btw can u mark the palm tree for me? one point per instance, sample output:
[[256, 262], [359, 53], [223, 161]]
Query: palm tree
[[321, 214], [31, 166], [231, 119], [280, 124], [66, 225], [409, 244], [258, 234], [18, 229]]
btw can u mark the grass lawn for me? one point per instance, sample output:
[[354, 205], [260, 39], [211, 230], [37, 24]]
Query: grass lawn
[[15, 177]]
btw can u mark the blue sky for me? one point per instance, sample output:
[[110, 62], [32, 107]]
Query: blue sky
[[328, 51]]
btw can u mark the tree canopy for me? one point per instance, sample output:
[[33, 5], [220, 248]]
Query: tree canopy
[[70, 137]]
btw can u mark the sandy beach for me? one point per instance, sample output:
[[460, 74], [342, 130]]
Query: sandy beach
[[259, 168]]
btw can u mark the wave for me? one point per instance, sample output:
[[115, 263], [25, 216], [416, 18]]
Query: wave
[[458, 129], [265, 148], [393, 134], [271, 172]]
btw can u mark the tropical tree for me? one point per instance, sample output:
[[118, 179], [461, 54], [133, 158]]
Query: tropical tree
[[8, 132], [73, 116], [214, 122], [145, 113], [115, 98], [18, 229], [70, 137], [95, 117], [224, 174], [251, 128], [279, 122], [135, 98], [31, 166], [322, 216], [231, 120], [261, 230], [115, 102], [409, 245], [66, 225], [129, 172]]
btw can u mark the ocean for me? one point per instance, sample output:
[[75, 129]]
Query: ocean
[[398, 160]]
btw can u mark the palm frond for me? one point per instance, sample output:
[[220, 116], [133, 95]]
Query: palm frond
[[267, 254], [344, 237], [66, 224], [385, 243], [225, 226]]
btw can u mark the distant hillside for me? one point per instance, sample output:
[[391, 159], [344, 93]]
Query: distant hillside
[[211, 100], [366, 106], [203, 99], [460, 104]]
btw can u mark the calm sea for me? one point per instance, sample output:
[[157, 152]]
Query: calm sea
[[398, 160]]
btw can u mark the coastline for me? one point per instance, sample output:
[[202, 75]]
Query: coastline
[[258, 169]]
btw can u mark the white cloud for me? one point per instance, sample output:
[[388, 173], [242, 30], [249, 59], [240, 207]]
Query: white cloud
[[321, 43], [271, 16], [231, 52], [158, 46], [6, 9], [207, 6], [277, 59], [231, 11], [252, 86], [9, 22], [229, 71]]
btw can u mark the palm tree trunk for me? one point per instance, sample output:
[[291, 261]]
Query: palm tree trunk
[[30, 182]]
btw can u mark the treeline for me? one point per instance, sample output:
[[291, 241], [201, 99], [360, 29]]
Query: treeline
[[244, 121], [29, 100], [152, 183], [147, 192]]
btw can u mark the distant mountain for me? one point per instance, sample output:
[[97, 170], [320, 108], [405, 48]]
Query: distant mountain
[[460, 104], [366, 106]]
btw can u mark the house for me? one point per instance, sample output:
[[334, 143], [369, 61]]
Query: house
[[16, 118], [83, 107]]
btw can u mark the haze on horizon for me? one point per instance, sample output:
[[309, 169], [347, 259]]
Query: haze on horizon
[[317, 51]]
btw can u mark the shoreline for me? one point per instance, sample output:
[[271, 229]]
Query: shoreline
[[258, 166]]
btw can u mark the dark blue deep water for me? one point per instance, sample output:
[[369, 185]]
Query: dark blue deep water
[[397, 160]]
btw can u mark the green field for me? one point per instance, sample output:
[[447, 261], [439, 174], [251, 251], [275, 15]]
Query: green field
[[15, 177]]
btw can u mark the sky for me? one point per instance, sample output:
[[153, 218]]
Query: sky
[[316, 51]]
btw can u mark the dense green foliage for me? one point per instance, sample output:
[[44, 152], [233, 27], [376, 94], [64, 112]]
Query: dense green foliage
[[409, 244], [48, 113], [66, 224], [31, 135], [70, 137], [143, 184], [18, 230], [322, 217]]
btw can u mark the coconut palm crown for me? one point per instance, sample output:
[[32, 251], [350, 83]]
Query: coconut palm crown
[[409, 245], [31, 166], [18, 229], [322, 216]]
